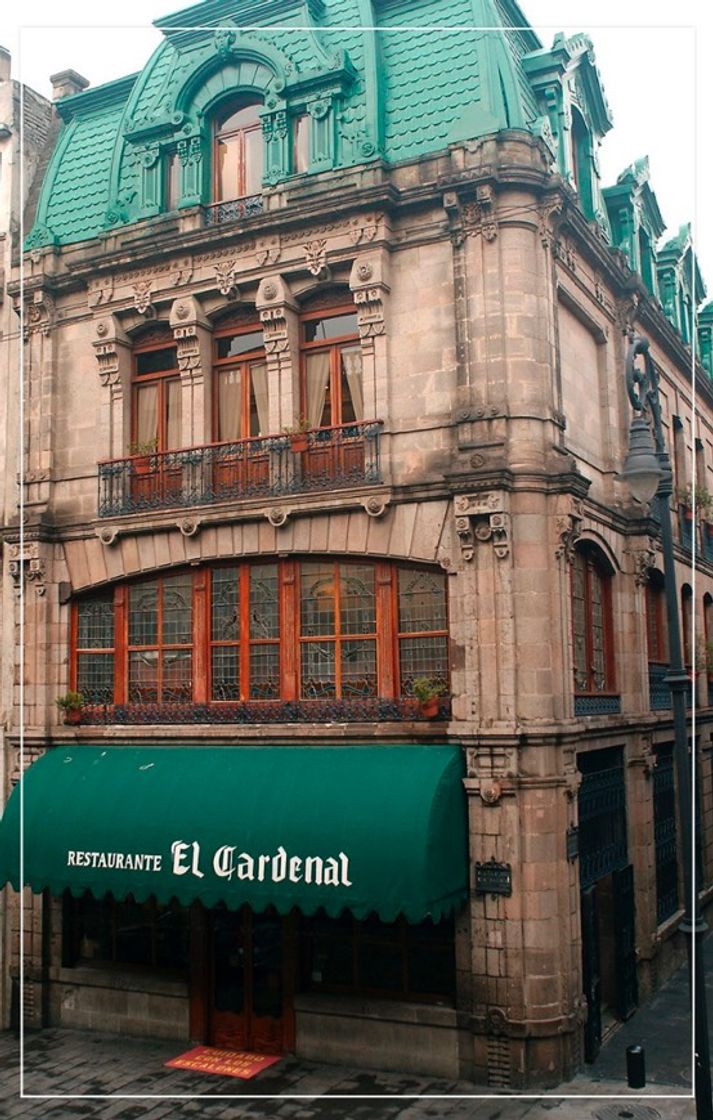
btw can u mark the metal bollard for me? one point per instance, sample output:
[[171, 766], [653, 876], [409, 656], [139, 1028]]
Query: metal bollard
[[636, 1067]]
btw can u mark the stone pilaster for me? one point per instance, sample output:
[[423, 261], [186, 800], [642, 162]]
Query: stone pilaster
[[280, 327], [192, 333], [112, 350], [370, 287]]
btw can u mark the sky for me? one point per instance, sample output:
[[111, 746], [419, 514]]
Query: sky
[[655, 59]]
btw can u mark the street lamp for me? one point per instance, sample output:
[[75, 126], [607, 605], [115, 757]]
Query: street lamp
[[647, 469]]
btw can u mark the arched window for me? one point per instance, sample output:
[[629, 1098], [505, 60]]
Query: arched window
[[264, 642], [687, 625], [656, 627], [592, 627], [582, 162], [237, 151]]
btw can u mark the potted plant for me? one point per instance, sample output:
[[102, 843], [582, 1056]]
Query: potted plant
[[428, 693], [298, 434], [71, 704], [697, 495]]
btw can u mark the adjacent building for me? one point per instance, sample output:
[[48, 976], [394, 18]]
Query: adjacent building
[[325, 414]]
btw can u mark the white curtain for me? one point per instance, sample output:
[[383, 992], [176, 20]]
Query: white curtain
[[173, 418], [351, 364], [258, 375], [229, 402], [317, 383], [146, 418]]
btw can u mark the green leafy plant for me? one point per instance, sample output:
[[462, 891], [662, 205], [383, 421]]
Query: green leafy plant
[[424, 689], [300, 425], [686, 495], [145, 448], [70, 702]]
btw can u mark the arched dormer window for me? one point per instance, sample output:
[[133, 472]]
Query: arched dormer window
[[237, 151], [582, 162]]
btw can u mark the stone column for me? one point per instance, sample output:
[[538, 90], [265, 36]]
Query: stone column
[[369, 284]]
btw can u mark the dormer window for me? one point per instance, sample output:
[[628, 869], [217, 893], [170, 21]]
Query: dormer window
[[238, 152], [582, 162], [300, 143]]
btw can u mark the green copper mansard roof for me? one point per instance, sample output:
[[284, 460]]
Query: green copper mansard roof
[[375, 86]]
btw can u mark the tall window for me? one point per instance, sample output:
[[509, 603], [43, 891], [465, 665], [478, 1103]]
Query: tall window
[[687, 625], [582, 162], [156, 400], [160, 638], [251, 633], [238, 154], [332, 384], [240, 401], [656, 630], [592, 623], [300, 143]]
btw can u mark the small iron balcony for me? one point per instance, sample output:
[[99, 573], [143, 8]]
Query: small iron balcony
[[271, 466], [219, 212]]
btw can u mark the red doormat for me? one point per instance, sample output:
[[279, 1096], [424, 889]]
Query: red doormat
[[226, 1063]]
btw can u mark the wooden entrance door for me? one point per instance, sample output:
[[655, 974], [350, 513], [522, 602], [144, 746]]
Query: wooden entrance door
[[249, 999]]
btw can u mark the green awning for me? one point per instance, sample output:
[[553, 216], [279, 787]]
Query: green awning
[[360, 828]]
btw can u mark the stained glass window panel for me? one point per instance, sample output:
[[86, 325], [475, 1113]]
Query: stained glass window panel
[[95, 677], [225, 625], [143, 677], [597, 626], [177, 612], [579, 622], [177, 686], [225, 673], [95, 622], [357, 601], [358, 669], [264, 672], [318, 670], [424, 657], [422, 601], [264, 602], [143, 614], [317, 599]]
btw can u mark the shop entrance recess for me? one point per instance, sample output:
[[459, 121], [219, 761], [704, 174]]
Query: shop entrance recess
[[607, 898], [242, 981]]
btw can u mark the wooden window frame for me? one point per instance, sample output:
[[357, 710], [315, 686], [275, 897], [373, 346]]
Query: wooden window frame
[[360, 934], [656, 622], [240, 133], [290, 641], [160, 378], [160, 646], [595, 564], [243, 363], [333, 346]]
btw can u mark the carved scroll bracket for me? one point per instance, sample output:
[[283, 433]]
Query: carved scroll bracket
[[482, 518], [109, 343], [644, 560], [368, 281], [569, 530]]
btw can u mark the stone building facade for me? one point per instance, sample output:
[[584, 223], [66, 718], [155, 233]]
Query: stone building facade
[[296, 453]]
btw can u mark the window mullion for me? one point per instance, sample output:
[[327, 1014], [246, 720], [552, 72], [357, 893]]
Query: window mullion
[[121, 638], [244, 631], [200, 632]]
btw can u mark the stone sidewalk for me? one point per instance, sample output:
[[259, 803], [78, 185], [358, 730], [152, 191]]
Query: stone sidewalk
[[117, 1078]]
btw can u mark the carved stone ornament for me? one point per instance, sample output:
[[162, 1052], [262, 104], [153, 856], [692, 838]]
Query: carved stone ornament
[[188, 526], [39, 313], [569, 530], [364, 228], [316, 257], [496, 1021], [107, 349], [142, 296], [490, 792], [107, 536], [549, 218], [370, 312], [270, 290], [375, 507], [481, 518], [268, 251], [473, 218], [644, 560], [26, 563], [277, 516], [226, 278]]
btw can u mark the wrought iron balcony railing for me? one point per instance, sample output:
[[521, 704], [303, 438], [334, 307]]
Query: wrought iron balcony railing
[[368, 710], [219, 212], [659, 691], [319, 459]]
